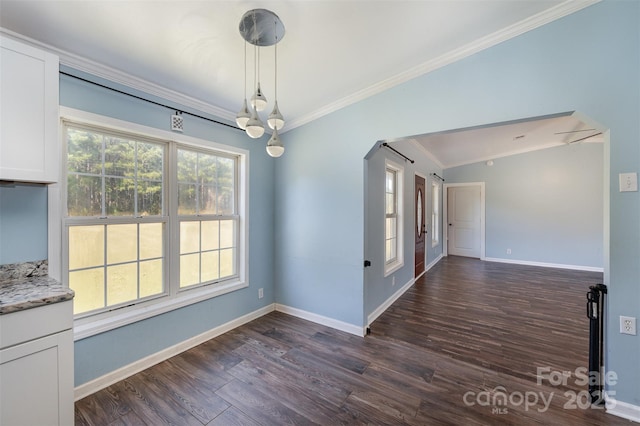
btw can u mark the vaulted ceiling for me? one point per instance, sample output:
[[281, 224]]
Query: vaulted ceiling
[[334, 53]]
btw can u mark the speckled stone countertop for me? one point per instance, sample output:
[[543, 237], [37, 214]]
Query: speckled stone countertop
[[23, 286]]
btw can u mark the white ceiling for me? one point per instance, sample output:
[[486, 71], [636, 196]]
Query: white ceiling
[[333, 53], [465, 146]]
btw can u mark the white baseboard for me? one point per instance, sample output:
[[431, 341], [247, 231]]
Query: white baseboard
[[384, 306], [433, 263], [128, 370], [319, 319], [546, 265], [622, 409], [387, 303]]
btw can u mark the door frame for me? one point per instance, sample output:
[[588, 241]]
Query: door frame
[[424, 200], [445, 217]]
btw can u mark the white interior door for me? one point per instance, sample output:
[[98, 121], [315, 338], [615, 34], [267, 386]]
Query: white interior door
[[463, 216]]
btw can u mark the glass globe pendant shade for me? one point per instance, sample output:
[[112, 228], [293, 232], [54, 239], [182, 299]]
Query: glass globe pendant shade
[[274, 146], [275, 120], [243, 116], [255, 128], [258, 100]]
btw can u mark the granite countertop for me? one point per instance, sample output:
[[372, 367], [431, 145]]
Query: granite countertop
[[19, 292]]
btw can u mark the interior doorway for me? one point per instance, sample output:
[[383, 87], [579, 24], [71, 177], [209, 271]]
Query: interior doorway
[[464, 218]]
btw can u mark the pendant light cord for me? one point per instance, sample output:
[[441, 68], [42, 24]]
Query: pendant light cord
[[255, 73], [275, 47], [245, 69]]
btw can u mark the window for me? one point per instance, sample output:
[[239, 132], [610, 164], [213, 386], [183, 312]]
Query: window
[[393, 253], [147, 220], [208, 223], [435, 214], [115, 223]]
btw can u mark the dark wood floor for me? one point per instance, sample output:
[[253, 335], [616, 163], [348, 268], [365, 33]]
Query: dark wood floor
[[465, 335]]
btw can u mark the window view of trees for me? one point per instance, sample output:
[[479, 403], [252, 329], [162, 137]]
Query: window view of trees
[[119, 208], [205, 183], [111, 176]]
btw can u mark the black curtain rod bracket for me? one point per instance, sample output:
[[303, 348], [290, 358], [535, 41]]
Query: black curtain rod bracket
[[149, 101], [386, 145], [435, 175]]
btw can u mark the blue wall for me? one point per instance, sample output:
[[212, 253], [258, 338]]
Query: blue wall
[[587, 62], [546, 206], [103, 353], [309, 232], [378, 289], [23, 223]]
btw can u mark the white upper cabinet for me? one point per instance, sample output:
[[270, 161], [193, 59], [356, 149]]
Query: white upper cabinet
[[28, 113]]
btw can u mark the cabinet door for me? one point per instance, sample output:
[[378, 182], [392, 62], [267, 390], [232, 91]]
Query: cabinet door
[[37, 382], [28, 113]]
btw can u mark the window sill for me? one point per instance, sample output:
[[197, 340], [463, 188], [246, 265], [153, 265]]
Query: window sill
[[100, 323], [392, 267]]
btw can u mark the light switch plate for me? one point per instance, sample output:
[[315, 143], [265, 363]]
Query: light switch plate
[[628, 182]]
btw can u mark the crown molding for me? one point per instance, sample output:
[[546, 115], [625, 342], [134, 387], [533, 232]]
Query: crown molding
[[103, 71], [559, 11], [119, 77], [108, 73]]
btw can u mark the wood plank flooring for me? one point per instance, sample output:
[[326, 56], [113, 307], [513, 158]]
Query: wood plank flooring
[[466, 337]]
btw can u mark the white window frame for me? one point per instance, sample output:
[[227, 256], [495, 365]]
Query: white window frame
[[175, 297], [435, 213], [397, 263]]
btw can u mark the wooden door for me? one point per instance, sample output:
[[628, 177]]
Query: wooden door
[[463, 217], [420, 228]]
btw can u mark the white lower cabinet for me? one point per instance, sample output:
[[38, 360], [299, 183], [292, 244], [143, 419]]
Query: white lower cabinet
[[36, 376]]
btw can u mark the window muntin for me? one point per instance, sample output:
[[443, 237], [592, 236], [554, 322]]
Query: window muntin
[[206, 183], [118, 248], [108, 175], [208, 217], [435, 214], [391, 219], [115, 229], [208, 251], [114, 264], [393, 250]]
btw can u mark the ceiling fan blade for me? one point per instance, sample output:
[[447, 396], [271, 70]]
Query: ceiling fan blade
[[586, 137], [574, 131]]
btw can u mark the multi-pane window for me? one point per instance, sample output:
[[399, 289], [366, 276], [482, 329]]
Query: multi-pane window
[[435, 214], [115, 224], [125, 198], [393, 251], [391, 215], [208, 223]]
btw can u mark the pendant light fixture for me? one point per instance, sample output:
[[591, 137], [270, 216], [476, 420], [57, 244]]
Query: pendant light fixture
[[274, 146], [261, 27], [275, 120], [255, 127], [258, 100]]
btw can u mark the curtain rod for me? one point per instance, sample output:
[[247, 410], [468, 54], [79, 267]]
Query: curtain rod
[[148, 100], [441, 178], [386, 145]]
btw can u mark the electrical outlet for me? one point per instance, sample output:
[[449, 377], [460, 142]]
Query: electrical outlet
[[260, 293], [393, 281], [628, 325], [508, 251]]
